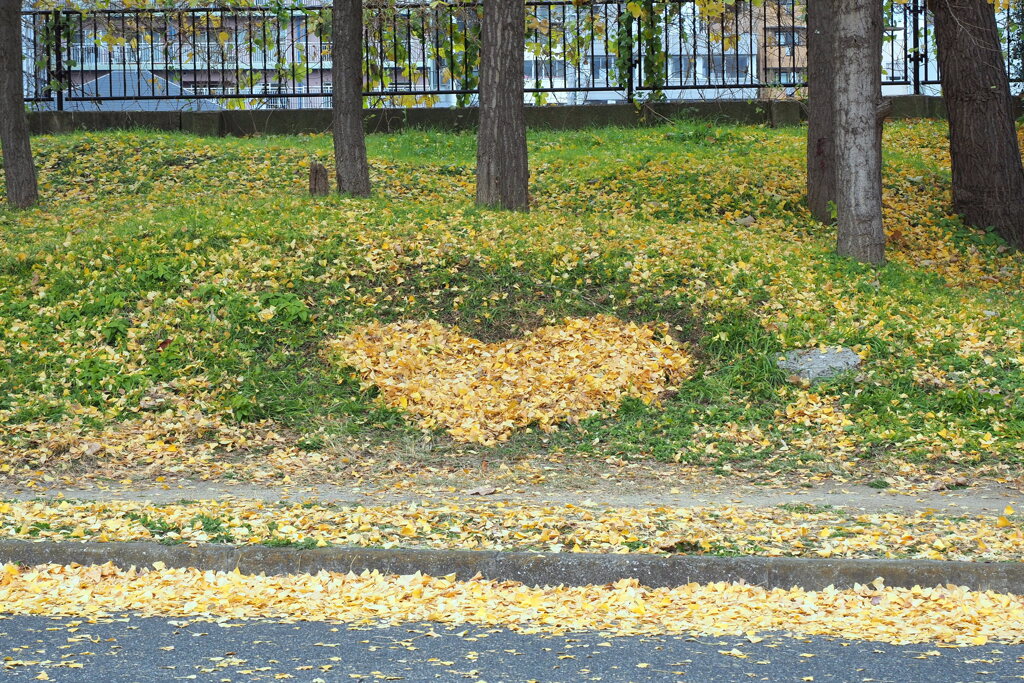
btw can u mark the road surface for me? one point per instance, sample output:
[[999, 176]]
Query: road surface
[[161, 649]]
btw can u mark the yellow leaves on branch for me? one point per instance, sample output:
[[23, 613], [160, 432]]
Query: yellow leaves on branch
[[898, 615], [480, 392]]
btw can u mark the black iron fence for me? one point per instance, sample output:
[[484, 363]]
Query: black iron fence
[[421, 53]]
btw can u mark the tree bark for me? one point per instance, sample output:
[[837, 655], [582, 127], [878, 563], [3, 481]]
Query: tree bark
[[350, 164], [319, 185], [821, 162], [988, 178], [858, 113], [19, 169], [502, 167]]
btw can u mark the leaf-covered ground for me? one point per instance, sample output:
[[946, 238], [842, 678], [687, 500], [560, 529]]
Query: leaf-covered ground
[[169, 306], [792, 530], [944, 614]]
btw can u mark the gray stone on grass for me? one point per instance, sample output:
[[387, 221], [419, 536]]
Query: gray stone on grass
[[815, 364]]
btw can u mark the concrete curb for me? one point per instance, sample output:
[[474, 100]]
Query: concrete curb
[[573, 569]]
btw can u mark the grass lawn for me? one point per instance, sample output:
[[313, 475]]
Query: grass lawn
[[169, 307]]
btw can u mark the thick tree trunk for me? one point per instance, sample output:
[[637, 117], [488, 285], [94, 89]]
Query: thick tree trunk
[[19, 169], [821, 162], [502, 169], [988, 179], [858, 129], [350, 164]]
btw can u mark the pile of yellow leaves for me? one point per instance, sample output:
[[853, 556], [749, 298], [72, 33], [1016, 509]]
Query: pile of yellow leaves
[[946, 614], [481, 392]]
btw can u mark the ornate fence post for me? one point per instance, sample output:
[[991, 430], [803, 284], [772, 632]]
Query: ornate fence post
[[915, 57]]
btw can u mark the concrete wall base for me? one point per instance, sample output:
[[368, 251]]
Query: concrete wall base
[[565, 117]]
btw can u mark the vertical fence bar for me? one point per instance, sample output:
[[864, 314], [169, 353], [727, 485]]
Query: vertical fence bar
[[633, 56], [915, 41], [40, 26], [58, 58]]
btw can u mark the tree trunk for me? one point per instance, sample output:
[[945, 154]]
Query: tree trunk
[[19, 170], [502, 169], [858, 117], [319, 185], [988, 179], [821, 162], [350, 164]]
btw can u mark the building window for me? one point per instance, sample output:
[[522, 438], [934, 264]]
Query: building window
[[680, 68], [786, 76], [788, 37], [543, 69], [726, 67], [602, 67]]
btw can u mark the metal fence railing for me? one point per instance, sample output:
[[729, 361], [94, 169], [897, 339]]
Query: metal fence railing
[[422, 53]]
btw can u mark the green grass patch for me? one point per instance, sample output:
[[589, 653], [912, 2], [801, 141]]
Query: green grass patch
[[164, 274]]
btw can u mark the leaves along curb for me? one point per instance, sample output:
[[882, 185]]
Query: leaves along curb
[[575, 569]]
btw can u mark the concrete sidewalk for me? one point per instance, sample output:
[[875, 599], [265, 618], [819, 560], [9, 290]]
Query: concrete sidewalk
[[547, 568], [988, 498]]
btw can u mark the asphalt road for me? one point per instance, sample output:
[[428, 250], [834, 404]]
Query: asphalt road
[[155, 649]]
